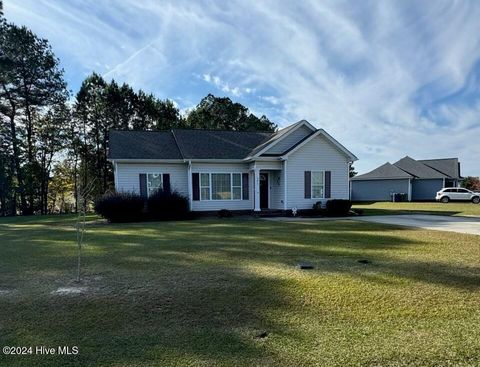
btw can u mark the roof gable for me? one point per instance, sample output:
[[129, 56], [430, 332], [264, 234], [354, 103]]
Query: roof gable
[[279, 136], [386, 171], [327, 136], [448, 166], [288, 141], [418, 169]]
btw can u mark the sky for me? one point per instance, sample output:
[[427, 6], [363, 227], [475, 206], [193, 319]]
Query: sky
[[385, 78]]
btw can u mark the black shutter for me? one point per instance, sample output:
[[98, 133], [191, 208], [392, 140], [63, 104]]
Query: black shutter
[[245, 188], [143, 185], [328, 184], [196, 186], [308, 185], [166, 182]]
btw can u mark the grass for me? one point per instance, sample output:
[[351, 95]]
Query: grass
[[388, 208], [197, 293]]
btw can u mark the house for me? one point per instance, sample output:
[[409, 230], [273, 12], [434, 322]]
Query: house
[[237, 170], [419, 179]]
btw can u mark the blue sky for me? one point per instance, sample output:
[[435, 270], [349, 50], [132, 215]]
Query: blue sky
[[386, 78]]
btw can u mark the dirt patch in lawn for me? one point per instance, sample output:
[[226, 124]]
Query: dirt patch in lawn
[[6, 292], [65, 291], [88, 285]]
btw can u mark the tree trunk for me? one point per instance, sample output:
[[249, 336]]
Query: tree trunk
[[30, 157], [17, 171], [16, 162]]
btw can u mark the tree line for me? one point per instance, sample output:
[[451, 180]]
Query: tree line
[[52, 142]]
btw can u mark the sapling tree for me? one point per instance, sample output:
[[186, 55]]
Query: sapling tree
[[84, 195]]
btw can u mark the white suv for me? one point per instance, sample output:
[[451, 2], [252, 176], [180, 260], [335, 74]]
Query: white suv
[[457, 194]]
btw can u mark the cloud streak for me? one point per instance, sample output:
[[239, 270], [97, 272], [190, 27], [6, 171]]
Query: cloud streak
[[385, 78]]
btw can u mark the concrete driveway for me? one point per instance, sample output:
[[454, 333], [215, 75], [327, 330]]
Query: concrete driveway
[[470, 225]]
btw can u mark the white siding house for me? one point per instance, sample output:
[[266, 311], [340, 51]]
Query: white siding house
[[318, 155], [294, 167]]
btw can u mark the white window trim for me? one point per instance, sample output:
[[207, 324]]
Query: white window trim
[[323, 186], [161, 181], [204, 187], [231, 185]]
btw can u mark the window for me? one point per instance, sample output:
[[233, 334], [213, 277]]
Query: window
[[221, 186], [205, 186], [236, 186], [154, 182], [317, 185]]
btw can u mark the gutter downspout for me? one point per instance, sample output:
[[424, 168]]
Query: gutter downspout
[[349, 164], [285, 205], [256, 188], [115, 175], [409, 189], [189, 183]]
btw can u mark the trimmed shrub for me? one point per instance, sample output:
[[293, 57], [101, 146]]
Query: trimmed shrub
[[318, 208], [224, 213], [338, 208], [120, 207], [168, 205]]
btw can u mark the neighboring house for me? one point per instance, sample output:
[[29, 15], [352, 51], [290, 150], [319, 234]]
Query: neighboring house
[[293, 167], [419, 179]]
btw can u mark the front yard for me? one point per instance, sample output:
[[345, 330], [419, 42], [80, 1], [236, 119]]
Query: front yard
[[227, 293], [452, 208]]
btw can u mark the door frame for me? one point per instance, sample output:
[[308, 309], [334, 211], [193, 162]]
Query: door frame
[[268, 191]]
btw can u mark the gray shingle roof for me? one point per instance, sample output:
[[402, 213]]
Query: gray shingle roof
[[418, 169], [218, 144], [386, 171], [184, 144], [276, 135], [448, 166], [142, 144]]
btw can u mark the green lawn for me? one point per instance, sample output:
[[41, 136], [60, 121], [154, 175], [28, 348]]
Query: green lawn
[[197, 293], [452, 208]]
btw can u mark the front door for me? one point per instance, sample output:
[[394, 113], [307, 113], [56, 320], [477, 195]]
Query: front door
[[264, 190]]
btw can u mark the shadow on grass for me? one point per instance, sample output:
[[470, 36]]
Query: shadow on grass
[[185, 291], [373, 211]]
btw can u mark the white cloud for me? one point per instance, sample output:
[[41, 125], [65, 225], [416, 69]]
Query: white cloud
[[226, 87], [377, 75], [270, 99]]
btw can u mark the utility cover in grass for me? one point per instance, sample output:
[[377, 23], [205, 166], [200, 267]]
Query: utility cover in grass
[[304, 265], [364, 261]]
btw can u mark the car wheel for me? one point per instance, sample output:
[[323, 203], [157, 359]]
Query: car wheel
[[445, 199], [476, 200]]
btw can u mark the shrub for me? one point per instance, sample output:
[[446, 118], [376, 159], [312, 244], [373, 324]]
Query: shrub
[[120, 207], [167, 205], [224, 213], [338, 208], [318, 208]]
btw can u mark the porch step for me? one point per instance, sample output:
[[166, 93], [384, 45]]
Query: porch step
[[267, 213]]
